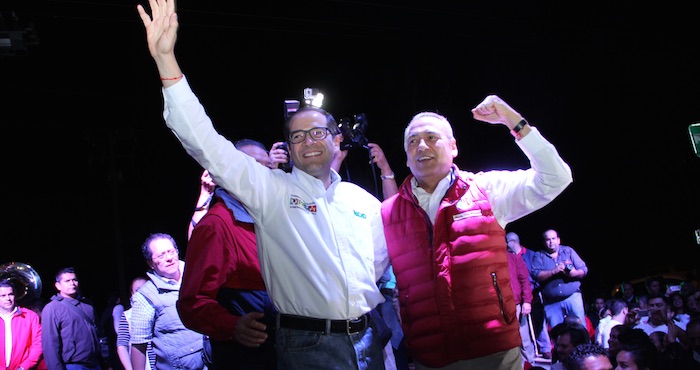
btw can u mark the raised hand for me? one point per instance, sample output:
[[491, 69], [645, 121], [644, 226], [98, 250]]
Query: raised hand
[[379, 158], [161, 27], [161, 34], [494, 110], [278, 154], [338, 158], [207, 183]]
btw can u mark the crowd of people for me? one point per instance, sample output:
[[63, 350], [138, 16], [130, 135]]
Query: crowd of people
[[656, 334], [665, 314], [297, 269]]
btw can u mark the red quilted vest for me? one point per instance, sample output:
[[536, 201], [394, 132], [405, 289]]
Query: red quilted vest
[[453, 278]]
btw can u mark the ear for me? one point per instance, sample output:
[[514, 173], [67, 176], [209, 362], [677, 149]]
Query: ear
[[337, 139], [453, 146], [57, 285]]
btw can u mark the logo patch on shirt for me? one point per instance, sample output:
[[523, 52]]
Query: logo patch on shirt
[[295, 201], [463, 204], [359, 214], [472, 213]]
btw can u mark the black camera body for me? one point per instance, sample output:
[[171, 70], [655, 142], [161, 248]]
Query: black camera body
[[353, 132], [286, 167], [568, 267]]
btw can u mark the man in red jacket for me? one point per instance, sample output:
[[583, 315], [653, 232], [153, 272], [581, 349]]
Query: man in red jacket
[[25, 332], [223, 294], [446, 240], [522, 292]]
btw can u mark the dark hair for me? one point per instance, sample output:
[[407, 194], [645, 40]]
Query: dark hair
[[331, 123], [684, 309], [661, 296], [659, 335], [577, 332], [544, 234], [583, 351], [658, 278], [134, 280], [616, 305], [65, 270], [638, 344], [622, 328], [145, 247], [7, 283], [622, 286], [249, 142]]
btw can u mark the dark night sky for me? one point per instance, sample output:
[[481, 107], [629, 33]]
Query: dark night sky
[[92, 169]]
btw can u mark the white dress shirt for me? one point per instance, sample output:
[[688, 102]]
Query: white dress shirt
[[321, 250]]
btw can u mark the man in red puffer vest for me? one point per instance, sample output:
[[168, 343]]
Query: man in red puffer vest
[[446, 239]]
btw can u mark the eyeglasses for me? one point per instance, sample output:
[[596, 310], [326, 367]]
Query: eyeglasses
[[317, 133], [160, 257]]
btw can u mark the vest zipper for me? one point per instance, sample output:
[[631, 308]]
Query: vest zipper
[[500, 298]]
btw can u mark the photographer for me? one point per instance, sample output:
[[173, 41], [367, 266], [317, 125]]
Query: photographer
[[559, 269]]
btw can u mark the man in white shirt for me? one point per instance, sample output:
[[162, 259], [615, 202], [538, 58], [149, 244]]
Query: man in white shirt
[[618, 312], [661, 319], [320, 240]]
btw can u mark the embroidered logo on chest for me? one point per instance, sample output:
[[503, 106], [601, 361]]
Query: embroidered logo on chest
[[295, 201]]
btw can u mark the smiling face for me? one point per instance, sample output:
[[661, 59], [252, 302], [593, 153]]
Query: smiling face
[[313, 156], [430, 149]]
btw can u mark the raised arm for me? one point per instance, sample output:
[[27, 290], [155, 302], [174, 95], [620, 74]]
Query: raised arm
[[515, 194], [278, 154], [161, 34], [494, 110], [389, 186], [206, 193], [338, 158]]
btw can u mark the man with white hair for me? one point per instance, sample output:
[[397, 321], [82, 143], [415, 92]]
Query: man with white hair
[[445, 233]]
